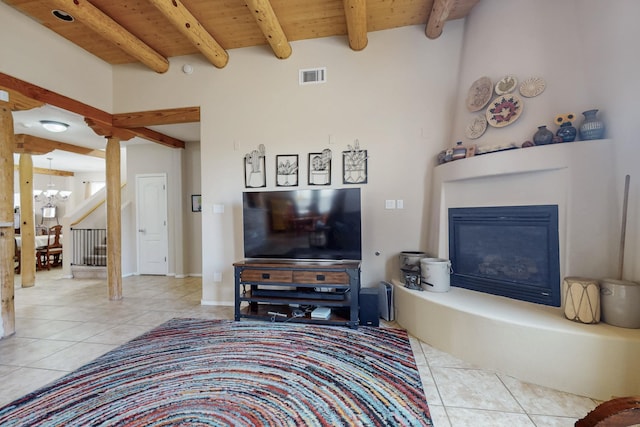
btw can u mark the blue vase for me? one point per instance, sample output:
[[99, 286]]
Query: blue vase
[[543, 136], [592, 127], [567, 132]]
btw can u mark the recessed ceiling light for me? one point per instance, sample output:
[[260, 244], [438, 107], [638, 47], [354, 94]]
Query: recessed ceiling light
[[62, 15], [53, 126]]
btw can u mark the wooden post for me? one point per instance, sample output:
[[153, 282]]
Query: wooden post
[[7, 233], [27, 223], [114, 227]]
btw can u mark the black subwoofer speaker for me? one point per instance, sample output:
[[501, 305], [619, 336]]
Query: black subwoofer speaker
[[369, 311]]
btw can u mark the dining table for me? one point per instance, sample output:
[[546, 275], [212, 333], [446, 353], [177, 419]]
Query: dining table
[[40, 240]]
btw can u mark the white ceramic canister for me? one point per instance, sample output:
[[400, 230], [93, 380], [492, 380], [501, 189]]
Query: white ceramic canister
[[435, 274], [620, 303]]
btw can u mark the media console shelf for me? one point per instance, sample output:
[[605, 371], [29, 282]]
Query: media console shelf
[[288, 291]]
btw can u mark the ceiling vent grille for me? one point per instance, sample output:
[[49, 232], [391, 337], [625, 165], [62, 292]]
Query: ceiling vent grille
[[313, 76]]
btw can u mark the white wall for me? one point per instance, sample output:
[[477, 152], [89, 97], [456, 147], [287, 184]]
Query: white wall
[[39, 56], [192, 232], [147, 159], [395, 97], [583, 49]]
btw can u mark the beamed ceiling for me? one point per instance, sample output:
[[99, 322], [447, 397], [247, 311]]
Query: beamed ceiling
[[152, 31]]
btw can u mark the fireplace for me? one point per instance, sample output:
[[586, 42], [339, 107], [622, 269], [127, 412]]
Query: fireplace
[[511, 251]]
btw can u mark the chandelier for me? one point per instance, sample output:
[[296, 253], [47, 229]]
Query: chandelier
[[51, 194]]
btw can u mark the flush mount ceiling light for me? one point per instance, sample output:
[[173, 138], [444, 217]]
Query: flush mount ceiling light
[[62, 15], [53, 126]]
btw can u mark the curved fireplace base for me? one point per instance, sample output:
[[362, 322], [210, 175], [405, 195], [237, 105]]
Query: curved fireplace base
[[531, 342]]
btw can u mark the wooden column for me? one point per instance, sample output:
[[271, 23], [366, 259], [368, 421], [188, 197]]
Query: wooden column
[[114, 224], [27, 223], [7, 243]]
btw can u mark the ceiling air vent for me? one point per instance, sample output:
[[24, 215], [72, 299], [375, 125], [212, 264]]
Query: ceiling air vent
[[313, 76]]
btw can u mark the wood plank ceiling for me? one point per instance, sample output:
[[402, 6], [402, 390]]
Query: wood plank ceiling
[[152, 31]]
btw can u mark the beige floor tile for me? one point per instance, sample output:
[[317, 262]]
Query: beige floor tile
[[439, 416], [154, 318], [118, 335], [73, 357], [461, 417], [29, 350], [473, 389], [41, 328], [549, 421], [439, 358], [540, 400], [25, 380], [81, 331]]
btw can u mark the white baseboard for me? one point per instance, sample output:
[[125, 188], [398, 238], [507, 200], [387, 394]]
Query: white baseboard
[[220, 303]]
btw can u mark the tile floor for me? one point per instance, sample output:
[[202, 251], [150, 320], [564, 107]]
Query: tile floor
[[62, 324]]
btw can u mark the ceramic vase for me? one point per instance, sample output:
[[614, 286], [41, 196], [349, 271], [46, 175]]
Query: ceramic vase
[[567, 132], [543, 136], [592, 127]]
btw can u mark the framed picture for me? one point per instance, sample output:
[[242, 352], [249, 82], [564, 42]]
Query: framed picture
[[354, 165], [287, 170], [320, 168], [254, 168], [196, 203]]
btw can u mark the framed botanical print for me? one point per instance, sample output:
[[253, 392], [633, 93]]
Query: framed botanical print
[[254, 168], [287, 170], [320, 168], [354, 165]]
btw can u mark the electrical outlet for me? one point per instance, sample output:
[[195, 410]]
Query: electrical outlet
[[400, 204]]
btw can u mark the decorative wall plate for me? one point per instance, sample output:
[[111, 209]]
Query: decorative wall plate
[[506, 85], [504, 110], [533, 86], [479, 94], [476, 128]]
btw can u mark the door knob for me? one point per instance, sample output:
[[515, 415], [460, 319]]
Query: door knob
[[141, 230]]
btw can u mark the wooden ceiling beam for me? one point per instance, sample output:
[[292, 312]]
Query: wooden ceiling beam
[[193, 30], [446, 10], [109, 131], [355, 12], [29, 144], [42, 96], [96, 116], [157, 117], [52, 172], [110, 30], [270, 26], [157, 137]]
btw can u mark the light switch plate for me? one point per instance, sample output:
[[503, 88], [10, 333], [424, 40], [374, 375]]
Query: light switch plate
[[389, 204]]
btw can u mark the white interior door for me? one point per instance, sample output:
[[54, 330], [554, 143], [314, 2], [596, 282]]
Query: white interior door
[[151, 208]]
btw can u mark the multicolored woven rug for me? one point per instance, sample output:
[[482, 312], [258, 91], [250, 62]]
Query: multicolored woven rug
[[197, 372]]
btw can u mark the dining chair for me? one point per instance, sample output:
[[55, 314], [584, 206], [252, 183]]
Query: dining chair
[[16, 256], [55, 246]]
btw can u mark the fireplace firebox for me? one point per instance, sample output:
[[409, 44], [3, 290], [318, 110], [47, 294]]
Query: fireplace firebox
[[511, 251]]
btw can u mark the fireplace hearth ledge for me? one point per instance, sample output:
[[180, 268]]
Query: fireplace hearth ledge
[[531, 342]]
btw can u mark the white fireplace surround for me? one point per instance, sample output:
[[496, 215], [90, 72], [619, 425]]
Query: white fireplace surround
[[532, 342]]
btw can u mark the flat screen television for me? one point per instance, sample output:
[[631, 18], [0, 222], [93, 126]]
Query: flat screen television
[[322, 224]]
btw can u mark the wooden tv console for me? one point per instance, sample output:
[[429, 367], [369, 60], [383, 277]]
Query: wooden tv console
[[288, 291]]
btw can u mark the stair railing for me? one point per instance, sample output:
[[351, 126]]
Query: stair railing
[[89, 246]]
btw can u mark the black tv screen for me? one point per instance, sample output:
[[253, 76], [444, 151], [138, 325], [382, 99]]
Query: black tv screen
[[322, 224]]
